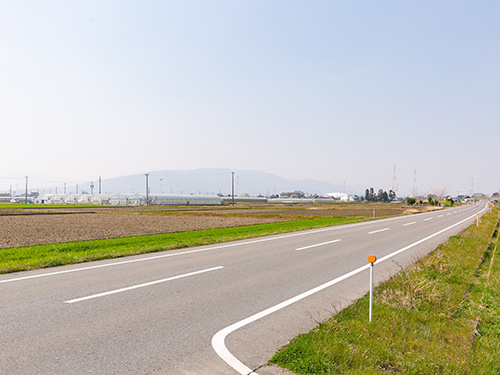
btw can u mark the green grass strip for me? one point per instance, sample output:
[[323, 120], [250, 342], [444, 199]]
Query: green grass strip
[[484, 305], [424, 319], [42, 256]]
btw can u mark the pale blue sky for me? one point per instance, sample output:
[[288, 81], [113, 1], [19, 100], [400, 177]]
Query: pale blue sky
[[329, 90]]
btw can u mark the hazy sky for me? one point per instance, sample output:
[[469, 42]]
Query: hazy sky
[[339, 91]]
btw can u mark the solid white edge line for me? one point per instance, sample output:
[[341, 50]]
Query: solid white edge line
[[141, 285], [316, 245], [218, 340], [377, 231], [310, 231]]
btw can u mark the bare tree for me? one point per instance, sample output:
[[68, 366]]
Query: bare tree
[[418, 195], [440, 193]]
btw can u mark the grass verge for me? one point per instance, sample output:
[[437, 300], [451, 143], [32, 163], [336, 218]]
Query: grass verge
[[42, 256], [440, 316]]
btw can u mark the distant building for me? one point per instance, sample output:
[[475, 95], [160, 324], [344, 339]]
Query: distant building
[[343, 197]]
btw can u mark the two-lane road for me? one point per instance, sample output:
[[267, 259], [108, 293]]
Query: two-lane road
[[221, 309]]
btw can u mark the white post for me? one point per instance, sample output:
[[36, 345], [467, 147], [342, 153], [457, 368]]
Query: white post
[[477, 220], [371, 293], [371, 259]]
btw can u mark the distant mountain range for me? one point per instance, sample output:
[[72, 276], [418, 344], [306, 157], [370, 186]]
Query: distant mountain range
[[213, 181]]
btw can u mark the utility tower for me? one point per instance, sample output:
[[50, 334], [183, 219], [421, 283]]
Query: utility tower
[[395, 181]]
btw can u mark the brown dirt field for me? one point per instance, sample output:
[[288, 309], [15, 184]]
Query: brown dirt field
[[323, 211], [27, 230], [44, 224]]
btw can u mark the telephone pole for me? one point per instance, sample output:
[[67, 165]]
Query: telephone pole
[[26, 191], [415, 189], [147, 189], [232, 188]]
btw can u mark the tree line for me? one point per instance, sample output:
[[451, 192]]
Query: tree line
[[380, 196]]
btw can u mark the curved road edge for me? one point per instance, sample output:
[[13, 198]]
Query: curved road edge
[[218, 340]]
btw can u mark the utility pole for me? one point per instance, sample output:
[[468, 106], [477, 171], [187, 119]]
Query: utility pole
[[147, 189], [65, 188], [232, 188], [92, 188], [99, 185], [76, 189], [26, 191]]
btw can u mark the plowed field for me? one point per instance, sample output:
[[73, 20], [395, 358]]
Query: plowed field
[[26, 230], [36, 225]]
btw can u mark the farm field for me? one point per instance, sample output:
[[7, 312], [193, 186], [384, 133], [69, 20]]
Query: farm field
[[35, 225]]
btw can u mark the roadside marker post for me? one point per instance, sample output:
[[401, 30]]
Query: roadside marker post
[[372, 259], [477, 220]]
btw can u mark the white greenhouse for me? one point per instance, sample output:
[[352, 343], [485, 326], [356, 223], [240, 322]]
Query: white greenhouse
[[186, 200], [133, 199]]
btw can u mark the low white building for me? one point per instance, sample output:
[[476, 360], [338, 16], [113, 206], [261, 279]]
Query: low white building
[[343, 197], [186, 200], [44, 199], [118, 199], [130, 199], [72, 199]]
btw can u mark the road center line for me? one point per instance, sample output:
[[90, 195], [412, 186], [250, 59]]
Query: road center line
[[216, 247], [204, 249], [142, 285], [429, 218], [318, 244], [413, 222], [218, 340], [377, 231]]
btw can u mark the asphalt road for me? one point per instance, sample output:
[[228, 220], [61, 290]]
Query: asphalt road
[[222, 309]]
